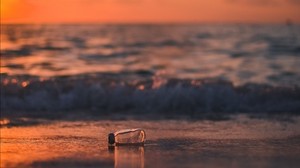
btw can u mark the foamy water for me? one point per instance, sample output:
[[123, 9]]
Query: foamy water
[[170, 69]]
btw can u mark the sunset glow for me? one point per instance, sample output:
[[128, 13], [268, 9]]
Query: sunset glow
[[15, 11], [148, 11]]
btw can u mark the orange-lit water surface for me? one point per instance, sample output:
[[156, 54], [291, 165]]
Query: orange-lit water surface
[[239, 53], [236, 143]]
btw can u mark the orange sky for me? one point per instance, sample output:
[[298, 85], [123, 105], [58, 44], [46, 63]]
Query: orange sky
[[149, 11]]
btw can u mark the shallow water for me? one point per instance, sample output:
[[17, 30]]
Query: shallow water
[[239, 142]]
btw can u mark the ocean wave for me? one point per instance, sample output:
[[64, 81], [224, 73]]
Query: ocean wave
[[102, 95], [278, 46], [23, 51], [100, 57], [28, 50]]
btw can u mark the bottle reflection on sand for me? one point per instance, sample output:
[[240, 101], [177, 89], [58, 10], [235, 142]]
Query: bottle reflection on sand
[[129, 156]]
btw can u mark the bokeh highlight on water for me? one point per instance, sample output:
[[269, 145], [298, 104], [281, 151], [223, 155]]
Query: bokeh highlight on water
[[120, 67]]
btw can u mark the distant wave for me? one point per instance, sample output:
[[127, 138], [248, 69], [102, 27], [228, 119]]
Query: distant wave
[[102, 95]]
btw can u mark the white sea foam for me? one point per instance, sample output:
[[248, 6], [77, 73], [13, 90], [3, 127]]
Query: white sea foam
[[175, 97]]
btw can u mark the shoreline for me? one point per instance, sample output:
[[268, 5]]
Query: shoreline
[[170, 143], [31, 120]]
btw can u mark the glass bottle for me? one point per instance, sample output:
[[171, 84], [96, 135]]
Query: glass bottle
[[135, 136]]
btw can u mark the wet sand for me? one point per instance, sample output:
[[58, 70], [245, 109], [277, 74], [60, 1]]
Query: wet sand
[[239, 142]]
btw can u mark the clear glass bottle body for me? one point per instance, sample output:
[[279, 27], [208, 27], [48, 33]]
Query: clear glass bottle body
[[135, 136]]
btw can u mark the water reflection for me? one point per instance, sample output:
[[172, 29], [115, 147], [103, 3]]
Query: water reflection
[[128, 156]]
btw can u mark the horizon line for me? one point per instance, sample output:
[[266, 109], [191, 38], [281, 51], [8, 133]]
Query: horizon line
[[289, 22]]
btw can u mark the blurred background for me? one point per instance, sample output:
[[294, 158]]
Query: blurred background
[[133, 50]]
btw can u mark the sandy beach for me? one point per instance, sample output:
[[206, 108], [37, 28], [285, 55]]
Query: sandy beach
[[238, 142]]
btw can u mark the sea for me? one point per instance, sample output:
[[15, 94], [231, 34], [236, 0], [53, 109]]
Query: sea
[[207, 95], [149, 69]]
